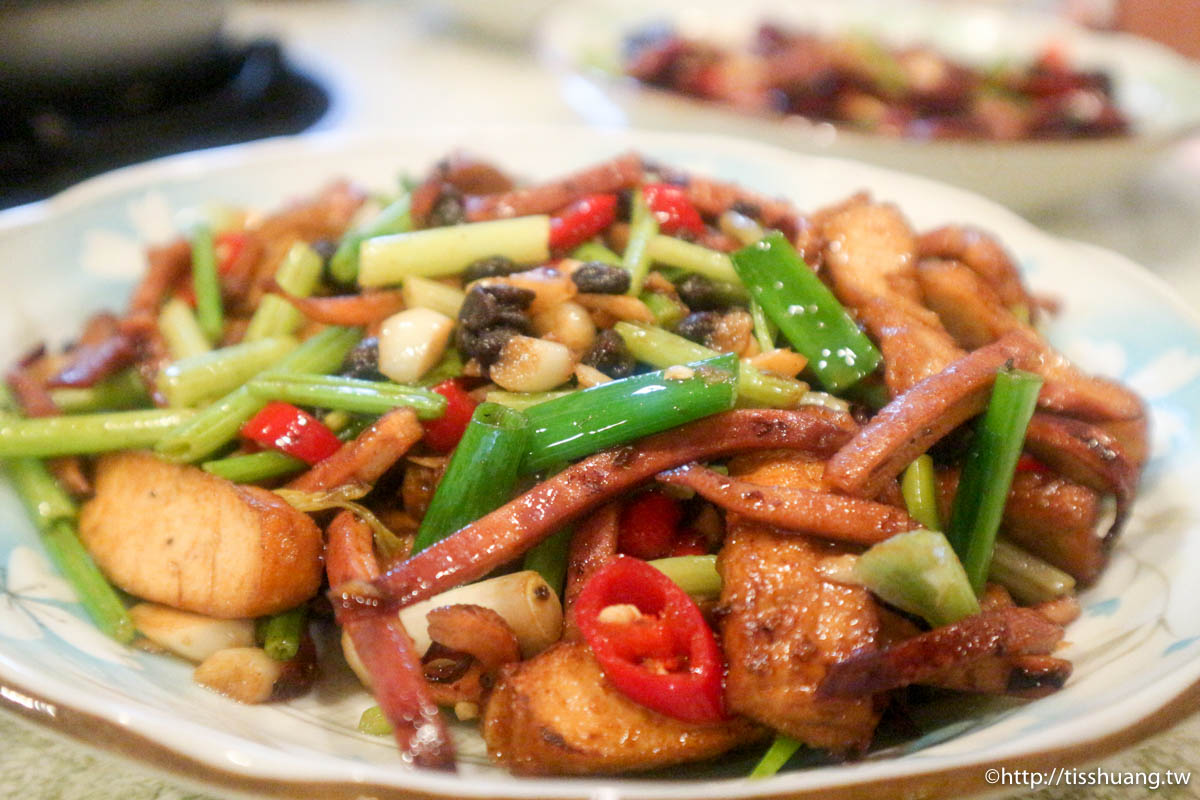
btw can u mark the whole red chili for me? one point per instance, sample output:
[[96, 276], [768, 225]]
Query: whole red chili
[[663, 656], [442, 434], [672, 208], [582, 220], [282, 426]]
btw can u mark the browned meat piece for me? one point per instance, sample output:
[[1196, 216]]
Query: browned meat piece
[[1056, 520], [365, 308], [471, 175], [1005, 632], [476, 642], [783, 624], [968, 308], [1020, 675], [556, 714], [190, 540], [421, 479], [713, 198], [1070, 392], [1134, 437], [367, 457], [912, 348], [1061, 611], [451, 178], [870, 252], [475, 630], [780, 468], [91, 363]]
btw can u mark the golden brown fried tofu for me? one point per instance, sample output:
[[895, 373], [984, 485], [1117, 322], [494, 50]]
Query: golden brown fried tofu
[[785, 621], [179, 536], [556, 714], [870, 255], [785, 624]]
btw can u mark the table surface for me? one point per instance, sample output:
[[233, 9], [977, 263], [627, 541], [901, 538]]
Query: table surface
[[1155, 220]]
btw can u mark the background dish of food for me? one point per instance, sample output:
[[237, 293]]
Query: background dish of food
[[1137, 646], [1158, 89]]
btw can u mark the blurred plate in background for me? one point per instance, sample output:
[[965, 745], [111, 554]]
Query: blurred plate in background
[[1156, 88]]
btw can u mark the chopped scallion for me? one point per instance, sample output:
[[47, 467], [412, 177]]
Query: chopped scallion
[[988, 471], [620, 411], [481, 474], [807, 313]]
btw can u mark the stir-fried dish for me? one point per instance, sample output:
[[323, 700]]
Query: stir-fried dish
[[855, 80], [635, 468]]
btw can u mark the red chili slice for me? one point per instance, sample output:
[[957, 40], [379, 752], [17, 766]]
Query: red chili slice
[[690, 543], [228, 246], [648, 526], [672, 208], [443, 433], [667, 660], [283, 427], [582, 220]]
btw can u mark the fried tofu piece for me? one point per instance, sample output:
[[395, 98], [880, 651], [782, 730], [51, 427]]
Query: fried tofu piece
[[785, 622], [556, 714], [871, 256], [176, 535], [1051, 517], [871, 252]]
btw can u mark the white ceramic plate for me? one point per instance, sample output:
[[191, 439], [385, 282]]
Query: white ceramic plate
[[1158, 89], [1136, 649]]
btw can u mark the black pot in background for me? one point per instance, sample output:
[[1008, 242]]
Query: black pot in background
[[51, 46], [90, 85]]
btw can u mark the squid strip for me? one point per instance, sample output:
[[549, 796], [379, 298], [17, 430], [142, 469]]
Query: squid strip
[[515, 527], [385, 649], [1008, 631], [829, 516]]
